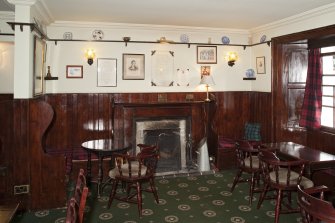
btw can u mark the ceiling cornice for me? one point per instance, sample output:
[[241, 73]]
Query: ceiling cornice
[[296, 18], [22, 2], [44, 12], [127, 26]]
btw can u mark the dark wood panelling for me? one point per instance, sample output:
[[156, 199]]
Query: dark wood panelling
[[6, 157], [234, 109], [262, 112], [80, 117], [20, 149], [5, 97]]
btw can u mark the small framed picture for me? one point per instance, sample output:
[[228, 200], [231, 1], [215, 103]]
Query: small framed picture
[[260, 65], [206, 54], [74, 71], [205, 70], [133, 67]]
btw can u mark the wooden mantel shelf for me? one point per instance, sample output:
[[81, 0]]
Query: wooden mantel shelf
[[155, 104]]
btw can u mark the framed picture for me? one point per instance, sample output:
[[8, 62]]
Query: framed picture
[[107, 68], [205, 70], [206, 54], [74, 71], [133, 67], [260, 65], [162, 68], [39, 66]]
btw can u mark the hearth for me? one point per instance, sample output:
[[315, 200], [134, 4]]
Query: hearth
[[171, 134]]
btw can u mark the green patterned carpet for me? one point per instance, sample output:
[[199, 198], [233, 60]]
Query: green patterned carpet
[[196, 198]]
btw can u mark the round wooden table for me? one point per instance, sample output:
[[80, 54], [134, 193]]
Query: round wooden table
[[102, 148]]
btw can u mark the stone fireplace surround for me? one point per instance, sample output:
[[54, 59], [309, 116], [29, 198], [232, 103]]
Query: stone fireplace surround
[[171, 136], [191, 111]]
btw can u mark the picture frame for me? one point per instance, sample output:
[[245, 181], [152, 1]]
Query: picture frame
[[260, 65], [39, 65], [162, 68], [206, 54], [74, 71], [205, 70], [133, 67], [107, 72]]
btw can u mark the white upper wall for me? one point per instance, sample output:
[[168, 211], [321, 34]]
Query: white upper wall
[[6, 67], [72, 53], [226, 78]]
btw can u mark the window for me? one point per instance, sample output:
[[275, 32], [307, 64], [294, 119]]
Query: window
[[328, 87]]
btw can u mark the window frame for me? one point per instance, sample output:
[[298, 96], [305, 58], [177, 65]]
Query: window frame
[[327, 128]]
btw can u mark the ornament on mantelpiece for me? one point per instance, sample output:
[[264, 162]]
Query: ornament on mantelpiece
[[48, 73]]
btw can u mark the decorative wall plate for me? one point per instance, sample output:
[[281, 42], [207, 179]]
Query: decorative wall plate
[[67, 35], [250, 73], [184, 38], [225, 40], [263, 38], [98, 34]]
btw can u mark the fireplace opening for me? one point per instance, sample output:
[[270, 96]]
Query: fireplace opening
[[169, 148], [171, 136]]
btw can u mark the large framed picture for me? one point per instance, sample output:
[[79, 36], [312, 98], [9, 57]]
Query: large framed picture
[[39, 66], [74, 71], [107, 69], [206, 54], [133, 67], [162, 68], [260, 65]]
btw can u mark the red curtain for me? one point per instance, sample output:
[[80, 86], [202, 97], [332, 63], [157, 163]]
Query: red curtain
[[310, 116]]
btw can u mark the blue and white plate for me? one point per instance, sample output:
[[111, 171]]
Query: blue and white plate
[[263, 38], [225, 40], [250, 73], [184, 38]]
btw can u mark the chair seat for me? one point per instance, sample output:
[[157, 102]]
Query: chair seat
[[132, 172], [282, 178], [255, 162], [125, 170]]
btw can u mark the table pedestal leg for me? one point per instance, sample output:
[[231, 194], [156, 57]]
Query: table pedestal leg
[[89, 168], [100, 175]]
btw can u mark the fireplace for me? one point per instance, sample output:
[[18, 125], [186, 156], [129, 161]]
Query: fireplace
[[171, 134]]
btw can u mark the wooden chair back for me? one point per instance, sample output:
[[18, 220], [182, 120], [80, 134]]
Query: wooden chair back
[[80, 194], [270, 164], [246, 152], [72, 211], [76, 205], [313, 207], [142, 165]]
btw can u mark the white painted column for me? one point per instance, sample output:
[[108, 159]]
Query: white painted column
[[24, 50]]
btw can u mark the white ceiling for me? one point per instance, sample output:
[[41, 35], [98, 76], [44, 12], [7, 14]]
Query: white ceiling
[[236, 14]]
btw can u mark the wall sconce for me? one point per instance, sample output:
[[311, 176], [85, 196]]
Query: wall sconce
[[207, 80], [90, 55], [231, 57]]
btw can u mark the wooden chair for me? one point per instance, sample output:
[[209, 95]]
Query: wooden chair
[[247, 162], [72, 211], [76, 205], [283, 177], [80, 193], [313, 207], [133, 171]]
